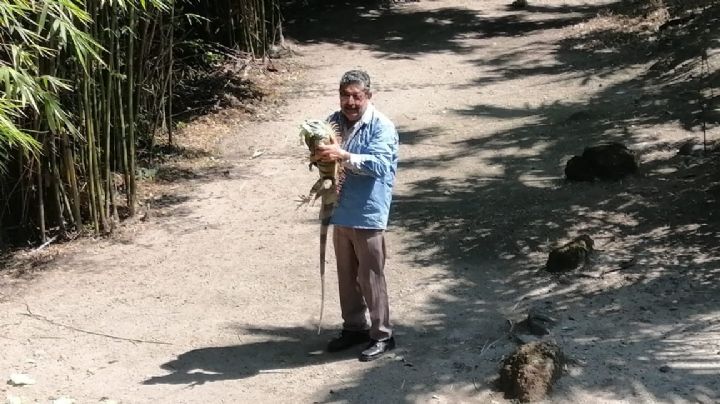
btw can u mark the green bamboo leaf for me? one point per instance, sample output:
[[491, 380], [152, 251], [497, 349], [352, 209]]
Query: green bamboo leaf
[[43, 16], [55, 84], [12, 137]]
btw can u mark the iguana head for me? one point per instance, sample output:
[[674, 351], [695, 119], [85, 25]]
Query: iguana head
[[316, 131]]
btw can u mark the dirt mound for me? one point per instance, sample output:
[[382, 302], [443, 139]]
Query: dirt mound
[[529, 373]]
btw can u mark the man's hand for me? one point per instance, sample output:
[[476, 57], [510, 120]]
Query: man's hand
[[331, 152]]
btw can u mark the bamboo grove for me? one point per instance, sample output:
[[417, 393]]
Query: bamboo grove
[[83, 86]]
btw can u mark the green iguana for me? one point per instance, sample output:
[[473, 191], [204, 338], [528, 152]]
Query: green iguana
[[327, 187]]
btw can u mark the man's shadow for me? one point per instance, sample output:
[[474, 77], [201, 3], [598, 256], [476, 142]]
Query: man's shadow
[[286, 348]]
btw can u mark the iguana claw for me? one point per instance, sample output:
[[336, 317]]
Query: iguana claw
[[303, 200]]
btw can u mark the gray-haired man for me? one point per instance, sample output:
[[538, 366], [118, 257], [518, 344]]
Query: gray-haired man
[[369, 152]]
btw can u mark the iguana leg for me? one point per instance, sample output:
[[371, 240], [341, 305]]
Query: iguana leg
[[315, 193]]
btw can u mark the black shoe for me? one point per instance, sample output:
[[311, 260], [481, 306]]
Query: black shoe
[[348, 339], [377, 349]]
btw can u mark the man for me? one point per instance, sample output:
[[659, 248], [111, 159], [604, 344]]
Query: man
[[369, 154]]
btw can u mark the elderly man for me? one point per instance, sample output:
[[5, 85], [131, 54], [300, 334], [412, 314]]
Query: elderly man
[[369, 152]]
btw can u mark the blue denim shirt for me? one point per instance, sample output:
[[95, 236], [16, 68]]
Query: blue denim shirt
[[366, 193]]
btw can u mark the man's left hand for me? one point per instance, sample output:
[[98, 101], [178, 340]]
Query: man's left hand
[[331, 152]]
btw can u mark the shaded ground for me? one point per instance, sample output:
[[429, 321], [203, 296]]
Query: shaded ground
[[215, 300]]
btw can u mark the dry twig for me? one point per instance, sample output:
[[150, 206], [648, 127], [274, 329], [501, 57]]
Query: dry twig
[[69, 327]]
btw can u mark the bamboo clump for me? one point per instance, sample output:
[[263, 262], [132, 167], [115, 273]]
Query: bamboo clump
[[84, 88]]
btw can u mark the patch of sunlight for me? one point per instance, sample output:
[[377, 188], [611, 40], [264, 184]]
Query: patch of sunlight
[[607, 50], [698, 369], [537, 181], [632, 201], [432, 20], [690, 227], [664, 170], [202, 372], [662, 231], [586, 340], [369, 13], [602, 217], [704, 259], [543, 291]]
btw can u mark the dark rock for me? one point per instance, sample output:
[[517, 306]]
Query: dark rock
[[537, 323], [529, 373], [540, 322], [579, 169], [611, 161], [691, 148], [571, 255], [608, 161]]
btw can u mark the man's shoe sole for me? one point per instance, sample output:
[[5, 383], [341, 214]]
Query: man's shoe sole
[[366, 358], [372, 358]]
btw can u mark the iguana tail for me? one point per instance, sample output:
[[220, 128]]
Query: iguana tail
[[325, 214]]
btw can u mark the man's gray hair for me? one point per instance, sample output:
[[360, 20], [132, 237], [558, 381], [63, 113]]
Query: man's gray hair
[[355, 77]]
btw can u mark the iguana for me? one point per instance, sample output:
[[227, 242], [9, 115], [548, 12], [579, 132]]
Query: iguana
[[327, 187]]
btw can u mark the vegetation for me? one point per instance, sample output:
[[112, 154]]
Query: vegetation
[[84, 83]]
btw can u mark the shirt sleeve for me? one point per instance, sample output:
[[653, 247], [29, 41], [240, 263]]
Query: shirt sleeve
[[377, 158]]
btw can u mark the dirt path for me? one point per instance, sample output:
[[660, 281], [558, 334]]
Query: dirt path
[[218, 301]]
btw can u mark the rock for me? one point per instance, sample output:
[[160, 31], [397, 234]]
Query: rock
[[529, 373], [10, 399], [21, 379], [691, 148], [579, 169], [540, 322], [570, 256], [517, 4], [611, 161], [608, 161]]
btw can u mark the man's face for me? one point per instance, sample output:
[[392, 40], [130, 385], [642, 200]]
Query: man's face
[[354, 101]]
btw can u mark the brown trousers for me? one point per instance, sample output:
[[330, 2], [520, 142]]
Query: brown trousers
[[360, 255]]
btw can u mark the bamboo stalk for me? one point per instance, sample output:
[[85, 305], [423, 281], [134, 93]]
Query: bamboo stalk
[[131, 113], [90, 138], [71, 177], [41, 203], [170, 83], [108, 93]]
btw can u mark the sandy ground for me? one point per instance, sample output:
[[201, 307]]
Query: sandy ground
[[216, 299]]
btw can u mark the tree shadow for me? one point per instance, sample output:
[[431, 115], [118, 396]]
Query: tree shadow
[[648, 327], [285, 349], [493, 234], [402, 32], [670, 87]]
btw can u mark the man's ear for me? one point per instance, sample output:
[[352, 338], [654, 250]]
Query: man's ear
[[369, 95]]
